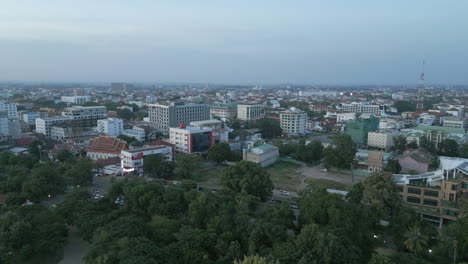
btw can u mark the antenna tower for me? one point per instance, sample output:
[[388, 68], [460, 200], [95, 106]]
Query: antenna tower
[[421, 88]]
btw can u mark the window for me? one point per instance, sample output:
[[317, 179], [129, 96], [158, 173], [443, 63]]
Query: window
[[465, 185], [430, 202], [414, 190], [412, 199], [450, 212], [431, 193], [400, 188], [454, 187]]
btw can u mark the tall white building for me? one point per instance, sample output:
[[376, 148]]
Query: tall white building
[[382, 140], [9, 126], [249, 111], [10, 108], [362, 108], [111, 126], [293, 121], [76, 99], [456, 122], [189, 139], [163, 117], [43, 125]]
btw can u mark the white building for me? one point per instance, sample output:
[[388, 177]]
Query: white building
[[220, 132], [456, 122], [293, 121], [30, 117], [264, 155], [10, 108], [163, 117], [378, 139], [343, 117], [133, 158], [9, 126], [249, 111], [43, 125], [85, 112], [362, 108], [76, 99], [138, 134], [111, 126], [189, 139]]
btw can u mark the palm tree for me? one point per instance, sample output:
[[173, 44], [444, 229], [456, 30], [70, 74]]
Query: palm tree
[[416, 241]]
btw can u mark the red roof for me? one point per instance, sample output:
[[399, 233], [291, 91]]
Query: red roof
[[109, 161], [107, 145]]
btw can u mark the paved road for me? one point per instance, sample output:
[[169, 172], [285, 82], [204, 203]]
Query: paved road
[[75, 249]]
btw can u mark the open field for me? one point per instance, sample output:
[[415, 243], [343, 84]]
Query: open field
[[328, 184], [285, 175]]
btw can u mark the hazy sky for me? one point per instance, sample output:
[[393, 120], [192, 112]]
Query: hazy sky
[[241, 41]]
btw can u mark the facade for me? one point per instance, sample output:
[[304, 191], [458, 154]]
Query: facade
[[455, 122], [318, 108], [75, 99], [436, 196], [359, 129], [162, 117], [220, 132], [138, 134], [133, 158], [189, 139], [43, 125], [264, 155], [105, 147], [293, 121], [438, 133], [362, 108], [85, 116], [249, 111], [111, 126], [10, 108], [224, 111], [118, 87], [61, 132], [379, 139], [30, 117], [343, 117]]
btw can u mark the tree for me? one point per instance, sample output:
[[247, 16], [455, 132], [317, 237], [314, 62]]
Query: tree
[[393, 166], [43, 181], [35, 148], [404, 106], [186, 164], [64, 156], [399, 144], [449, 148], [416, 240], [380, 259], [464, 150], [158, 166], [427, 145], [127, 139], [220, 152], [342, 155], [246, 177], [81, 173], [270, 128], [255, 260], [125, 114]]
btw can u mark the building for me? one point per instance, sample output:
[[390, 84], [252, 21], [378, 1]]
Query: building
[[105, 148], [343, 117], [224, 110], [220, 132], [293, 121], [30, 117], [363, 108], [62, 132], [189, 139], [9, 126], [133, 158], [162, 117], [10, 108], [138, 134], [359, 129], [118, 87], [263, 155], [75, 99], [455, 122], [371, 160], [43, 125], [318, 108], [438, 133], [436, 196], [248, 112], [380, 139], [417, 161], [85, 116], [110, 126]]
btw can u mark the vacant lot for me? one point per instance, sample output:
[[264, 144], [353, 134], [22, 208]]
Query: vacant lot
[[209, 176], [286, 175], [328, 184]]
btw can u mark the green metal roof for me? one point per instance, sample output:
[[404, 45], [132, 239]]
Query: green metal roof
[[265, 147], [441, 128]]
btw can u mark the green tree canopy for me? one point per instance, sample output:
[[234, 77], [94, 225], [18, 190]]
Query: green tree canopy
[[249, 178], [220, 153]]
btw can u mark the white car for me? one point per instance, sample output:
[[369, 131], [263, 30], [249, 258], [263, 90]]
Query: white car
[[285, 193]]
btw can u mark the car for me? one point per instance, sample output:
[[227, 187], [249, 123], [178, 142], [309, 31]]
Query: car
[[293, 205], [285, 193], [324, 169]]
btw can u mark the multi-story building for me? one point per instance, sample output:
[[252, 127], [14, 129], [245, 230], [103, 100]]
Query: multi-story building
[[363, 108], [436, 196], [62, 132], [10, 108], [224, 110], [220, 132], [133, 158], [293, 121], [380, 139], [76, 99], [162, 117], [105, 147], [455, 122], [359, 129], [343, 117], [189, 139], [30, 117], [118, 87], [318, 108], [43, 125], [110, 126], [138, 134], [438, 133], [264, 155], [249, 111], [9, 126], [85, 116]]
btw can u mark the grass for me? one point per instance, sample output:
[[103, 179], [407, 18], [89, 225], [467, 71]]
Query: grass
[[328, 184], [285, 173], [209, 176]]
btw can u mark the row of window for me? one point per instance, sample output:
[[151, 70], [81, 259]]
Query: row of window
[[417, 200]]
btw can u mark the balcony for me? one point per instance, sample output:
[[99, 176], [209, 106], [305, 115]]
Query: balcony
[[450, 204]]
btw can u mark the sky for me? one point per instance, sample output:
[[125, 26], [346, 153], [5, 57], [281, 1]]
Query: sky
[[244, 41]]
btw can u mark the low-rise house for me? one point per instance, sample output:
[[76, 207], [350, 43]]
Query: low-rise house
[[415, 160]]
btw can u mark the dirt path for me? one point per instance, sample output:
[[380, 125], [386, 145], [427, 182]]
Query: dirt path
[[75, 249]]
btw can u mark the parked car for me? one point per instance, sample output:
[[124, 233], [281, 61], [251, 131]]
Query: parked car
[[293, 205], [285, 193]]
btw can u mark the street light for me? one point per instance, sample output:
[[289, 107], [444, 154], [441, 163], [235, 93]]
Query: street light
[[430, 251]]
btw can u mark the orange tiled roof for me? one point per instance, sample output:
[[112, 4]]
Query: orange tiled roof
[[107, 145]]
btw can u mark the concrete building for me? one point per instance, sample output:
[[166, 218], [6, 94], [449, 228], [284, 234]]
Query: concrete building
[[362, 108], [436, 196], [138, 134], [85, 116], [293, 121], [343, 117], [438, 133], [455, 122], [162, 117], [380, 139], [224, 110], [133, 158], [189, 139], [220, 132], [9, 126], [248, 112], [118, 87], [62, 132], [30, 117], [75, 99], [416, 160], [359, 129], [10, 108], [110, 126], [264, 155], [105, 147], [43, 125]]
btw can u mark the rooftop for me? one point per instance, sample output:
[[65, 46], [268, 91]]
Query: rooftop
[[441, 128]]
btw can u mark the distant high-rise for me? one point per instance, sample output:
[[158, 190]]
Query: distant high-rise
[[420, 101], [163, 117], [118, 87]]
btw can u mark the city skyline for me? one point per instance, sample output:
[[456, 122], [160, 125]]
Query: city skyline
[[265, 42]]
